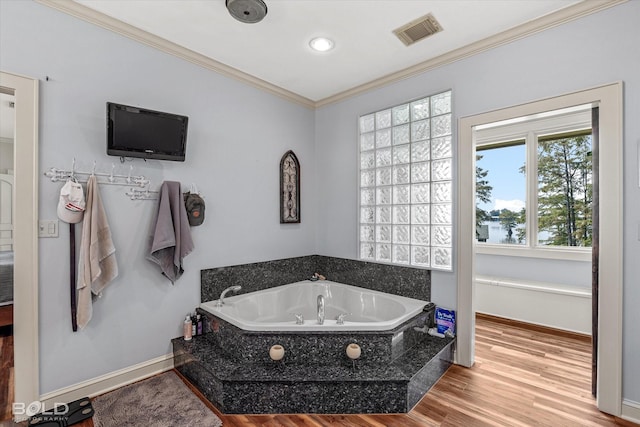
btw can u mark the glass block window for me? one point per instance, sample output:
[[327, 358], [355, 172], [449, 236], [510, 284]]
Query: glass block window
[[405, 165]]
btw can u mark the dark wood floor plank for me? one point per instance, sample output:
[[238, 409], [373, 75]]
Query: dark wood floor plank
[[6, 315]]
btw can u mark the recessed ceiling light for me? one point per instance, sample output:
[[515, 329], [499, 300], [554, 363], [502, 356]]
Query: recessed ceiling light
[[321, 44]]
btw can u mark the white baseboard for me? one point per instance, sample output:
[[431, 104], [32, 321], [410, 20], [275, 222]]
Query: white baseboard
[[544, 304], [630, 411], [108, 382]]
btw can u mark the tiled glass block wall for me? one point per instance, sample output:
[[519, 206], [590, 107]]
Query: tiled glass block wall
[[406, 173]]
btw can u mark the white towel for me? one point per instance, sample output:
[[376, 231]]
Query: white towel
[[97, 265], [170, 236]]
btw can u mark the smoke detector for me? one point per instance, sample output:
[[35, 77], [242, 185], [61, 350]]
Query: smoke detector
[[247, 11], [418, 29]]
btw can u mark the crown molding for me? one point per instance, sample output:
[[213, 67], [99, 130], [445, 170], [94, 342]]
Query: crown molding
[[568, 14], [94, 17]]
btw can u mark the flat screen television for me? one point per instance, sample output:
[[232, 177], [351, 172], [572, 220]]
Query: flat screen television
[[137, 132]]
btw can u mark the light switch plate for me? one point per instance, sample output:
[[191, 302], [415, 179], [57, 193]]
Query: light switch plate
[[48, 228]]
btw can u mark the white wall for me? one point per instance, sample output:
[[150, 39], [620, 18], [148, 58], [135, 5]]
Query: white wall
[[237, 135], [548, 292], [574, 274], [595, 50]]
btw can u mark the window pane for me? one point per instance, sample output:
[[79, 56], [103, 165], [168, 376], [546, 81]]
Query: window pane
[[400, 194], [367, 215], [401, 134], [367, 160], [565, 191], [420, 256], [383, 138], [367, 233], [367, 251], [501, 194], [406, 183], [420, 151], [401, 154], [401, 254], [367, 141], [441, 103], [441, 125], [420, 130], [367, 196], [383, 157], [400, 234], [420, 109], [383, 252], [400, 114], [383, 119], [367, 123], [441, 257], [441, 147]]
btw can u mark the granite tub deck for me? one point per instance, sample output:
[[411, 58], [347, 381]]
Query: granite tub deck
[[231, 367]]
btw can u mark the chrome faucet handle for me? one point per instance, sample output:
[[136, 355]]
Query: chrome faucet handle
[[299, 318], [340, 318]]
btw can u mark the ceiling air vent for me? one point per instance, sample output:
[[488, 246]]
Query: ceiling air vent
[[418, 29]]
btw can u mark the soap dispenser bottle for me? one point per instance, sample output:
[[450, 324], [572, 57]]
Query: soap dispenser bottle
[[194, 325], [188, 328], [199, 325]]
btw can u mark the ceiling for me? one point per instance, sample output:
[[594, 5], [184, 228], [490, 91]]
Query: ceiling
[[275, 53]]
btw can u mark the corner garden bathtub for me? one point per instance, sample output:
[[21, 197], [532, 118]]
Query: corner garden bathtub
[[274, 309]]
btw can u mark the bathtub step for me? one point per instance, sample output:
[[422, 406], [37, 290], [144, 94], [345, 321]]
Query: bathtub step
[[245, 387]]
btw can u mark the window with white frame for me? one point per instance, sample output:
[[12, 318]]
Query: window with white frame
[[534, 183], [405, 208]]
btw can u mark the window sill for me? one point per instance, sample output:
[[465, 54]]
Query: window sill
[[578, 254]]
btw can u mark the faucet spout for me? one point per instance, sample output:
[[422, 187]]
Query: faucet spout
[[220, 302], [320, 306]]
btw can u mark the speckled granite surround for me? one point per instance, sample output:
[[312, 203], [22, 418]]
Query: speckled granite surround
[[232, 369], [239, 387], [406, 281], [320, 348]]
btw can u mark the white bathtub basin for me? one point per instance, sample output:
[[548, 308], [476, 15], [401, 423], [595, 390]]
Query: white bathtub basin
[[274, 309]]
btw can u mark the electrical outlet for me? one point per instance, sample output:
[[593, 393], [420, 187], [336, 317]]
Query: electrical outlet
[[48, 228]]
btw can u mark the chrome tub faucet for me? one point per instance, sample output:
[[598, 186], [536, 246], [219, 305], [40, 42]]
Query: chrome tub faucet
[[220, 302]]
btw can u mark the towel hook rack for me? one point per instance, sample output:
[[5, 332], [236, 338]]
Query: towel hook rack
[[110, 178]]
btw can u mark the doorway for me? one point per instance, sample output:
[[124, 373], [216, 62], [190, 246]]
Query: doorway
[[609, 350], [25, 241]]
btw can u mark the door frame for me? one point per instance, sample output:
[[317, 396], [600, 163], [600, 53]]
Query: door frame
[[25, 305], [609, 98]]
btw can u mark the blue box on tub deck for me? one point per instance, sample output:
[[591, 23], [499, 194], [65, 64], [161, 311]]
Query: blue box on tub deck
[[445, 319]]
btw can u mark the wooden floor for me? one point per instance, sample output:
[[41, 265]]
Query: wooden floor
[[523, 376], [6, 372], [6, 315]]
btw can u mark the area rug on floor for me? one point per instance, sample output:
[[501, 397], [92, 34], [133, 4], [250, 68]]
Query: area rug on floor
[[160, 401]]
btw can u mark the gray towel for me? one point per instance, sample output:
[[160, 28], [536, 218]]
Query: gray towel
[[97, 265], [171, 236]]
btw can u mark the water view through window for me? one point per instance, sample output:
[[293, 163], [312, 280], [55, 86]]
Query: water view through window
[[502, 188], [550, 207]]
